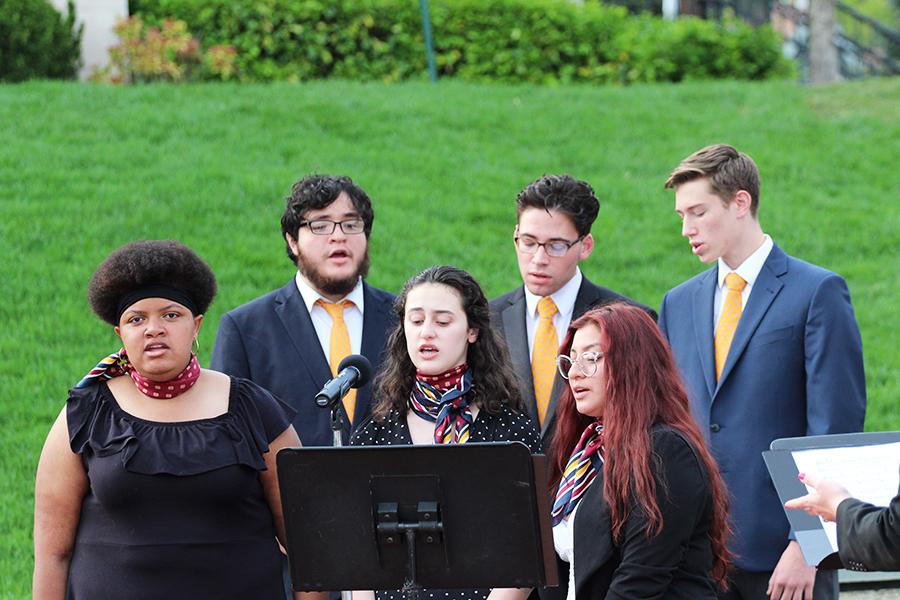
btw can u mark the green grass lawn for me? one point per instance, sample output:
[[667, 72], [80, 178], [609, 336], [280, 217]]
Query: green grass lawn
[[84, 169]]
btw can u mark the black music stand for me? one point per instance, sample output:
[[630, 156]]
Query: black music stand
[[407, 517]]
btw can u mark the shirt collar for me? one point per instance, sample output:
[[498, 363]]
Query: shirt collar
[[310, 294], [752, 265], [563, 298]]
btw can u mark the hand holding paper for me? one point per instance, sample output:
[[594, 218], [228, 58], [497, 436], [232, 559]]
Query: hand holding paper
[[822, 502]]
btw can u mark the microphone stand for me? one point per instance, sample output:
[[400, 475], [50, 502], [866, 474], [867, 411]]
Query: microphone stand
[[337, 427], [337, 423]]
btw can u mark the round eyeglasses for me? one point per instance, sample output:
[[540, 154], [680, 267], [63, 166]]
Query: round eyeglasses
[[326, 227], [555, 248], [587, 363]]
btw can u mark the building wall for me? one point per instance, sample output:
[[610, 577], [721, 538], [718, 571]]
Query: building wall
[[99, 17]]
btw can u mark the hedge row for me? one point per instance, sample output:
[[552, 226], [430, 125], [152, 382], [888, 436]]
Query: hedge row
[[537, 41], [36, 41]]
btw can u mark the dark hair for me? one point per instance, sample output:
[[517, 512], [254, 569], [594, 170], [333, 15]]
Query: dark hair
[[493, 378], [642, 388], [318, 191], [727, 170], [572, 197], [150, 263]]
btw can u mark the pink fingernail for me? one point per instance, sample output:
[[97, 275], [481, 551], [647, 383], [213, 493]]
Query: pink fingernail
[[801, 476]]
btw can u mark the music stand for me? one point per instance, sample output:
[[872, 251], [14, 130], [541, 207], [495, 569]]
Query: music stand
[[407, 517]]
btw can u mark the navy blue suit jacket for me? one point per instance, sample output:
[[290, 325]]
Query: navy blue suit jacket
[[795, 368], [271, 341]]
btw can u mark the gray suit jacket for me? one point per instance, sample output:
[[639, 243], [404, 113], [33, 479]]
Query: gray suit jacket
[[508, 317]]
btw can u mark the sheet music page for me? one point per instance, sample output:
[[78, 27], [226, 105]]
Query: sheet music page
[[868, 472]]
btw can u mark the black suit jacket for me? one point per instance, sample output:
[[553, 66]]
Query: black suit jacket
[[674, 564], [271, 341], [869, 536], [508, 317]]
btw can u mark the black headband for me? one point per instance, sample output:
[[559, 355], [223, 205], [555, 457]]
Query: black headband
[[156, 291]]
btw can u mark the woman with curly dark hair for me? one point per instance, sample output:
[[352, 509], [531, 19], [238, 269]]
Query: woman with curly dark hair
[[446, 378], [158, 478]]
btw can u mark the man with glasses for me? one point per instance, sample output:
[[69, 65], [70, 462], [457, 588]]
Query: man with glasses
[[552, 235], [292, 340]]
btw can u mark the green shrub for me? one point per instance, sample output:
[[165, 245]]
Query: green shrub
[[536, 41], [165, 53], [37, 42]]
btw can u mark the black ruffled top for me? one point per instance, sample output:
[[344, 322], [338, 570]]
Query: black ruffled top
[[175, 509], [99, 427]]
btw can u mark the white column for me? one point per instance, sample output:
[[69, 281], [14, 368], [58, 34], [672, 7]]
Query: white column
[[670, 9], [99, 17]]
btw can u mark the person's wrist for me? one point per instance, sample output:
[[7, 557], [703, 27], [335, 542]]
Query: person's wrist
[[836, 502]]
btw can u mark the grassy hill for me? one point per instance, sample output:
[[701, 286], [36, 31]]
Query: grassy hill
[[85, 169]]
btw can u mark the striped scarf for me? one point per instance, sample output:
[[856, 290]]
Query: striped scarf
[[117, 364], [583, 465], [448, 409]]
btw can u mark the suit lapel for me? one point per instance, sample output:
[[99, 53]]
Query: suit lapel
[[764, 291], [294, 317], [593, 542], [376, 316], [513, 317], [704, 295], [588, 295]]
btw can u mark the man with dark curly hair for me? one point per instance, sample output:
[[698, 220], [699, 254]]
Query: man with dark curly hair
[[552, 235], [291, 340]]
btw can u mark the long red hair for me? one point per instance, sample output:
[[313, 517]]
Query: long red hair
[[643, 388]]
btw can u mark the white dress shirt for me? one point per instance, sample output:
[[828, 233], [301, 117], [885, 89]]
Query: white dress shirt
[[747, 270], [564, 298], [353, 316]]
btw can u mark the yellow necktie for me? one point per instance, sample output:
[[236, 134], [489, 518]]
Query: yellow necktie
[[728, 319], [543, 359], [339, 346]]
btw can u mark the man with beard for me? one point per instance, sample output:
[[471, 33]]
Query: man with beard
[[291, 340]]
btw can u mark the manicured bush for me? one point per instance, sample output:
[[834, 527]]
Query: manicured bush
[[38, 42], [166, 53], [536, 41]]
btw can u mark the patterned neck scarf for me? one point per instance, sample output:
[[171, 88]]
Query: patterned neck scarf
[[583, 465], [448, 408], [117, 364]]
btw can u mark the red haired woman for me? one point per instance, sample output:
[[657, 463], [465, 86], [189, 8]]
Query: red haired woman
[[640, 509]]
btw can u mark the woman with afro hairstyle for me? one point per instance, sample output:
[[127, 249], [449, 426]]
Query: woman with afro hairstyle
[[157, 479]]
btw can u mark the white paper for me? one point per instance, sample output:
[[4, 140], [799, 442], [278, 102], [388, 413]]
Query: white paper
[[868, 472]]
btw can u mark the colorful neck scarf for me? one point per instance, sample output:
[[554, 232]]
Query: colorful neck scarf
[[117, 364], [583, 465], [447, 408]]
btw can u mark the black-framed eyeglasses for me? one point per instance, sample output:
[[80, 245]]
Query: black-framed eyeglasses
[[326, 227], [555, 248], [587, 363]]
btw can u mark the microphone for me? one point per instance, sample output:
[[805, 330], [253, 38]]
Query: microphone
[[353, 372]]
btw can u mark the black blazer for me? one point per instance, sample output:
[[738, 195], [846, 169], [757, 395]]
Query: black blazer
[[674, 564], [508, 318], [271, 341], [869, 536]]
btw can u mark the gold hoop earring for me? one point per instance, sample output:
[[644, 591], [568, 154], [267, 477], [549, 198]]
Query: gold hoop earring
[[196, 346]]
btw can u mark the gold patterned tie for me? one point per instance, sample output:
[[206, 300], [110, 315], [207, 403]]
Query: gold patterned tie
[[339, 346], [728, 319], [543, 359]]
